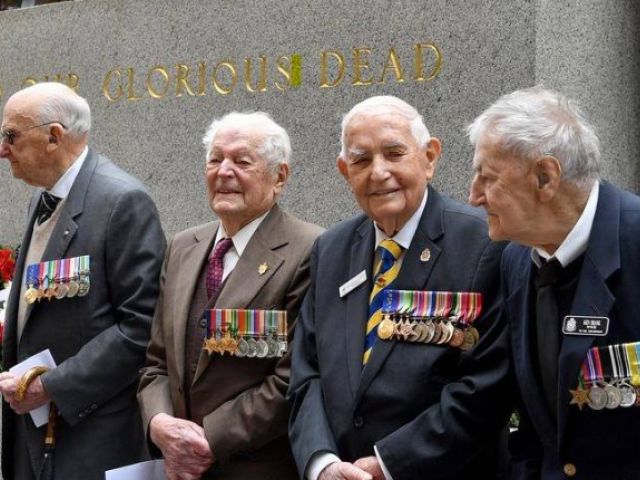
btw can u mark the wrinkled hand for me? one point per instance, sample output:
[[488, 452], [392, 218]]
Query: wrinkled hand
[[343, 471], [184, 447], [35, 396], [371, 465]]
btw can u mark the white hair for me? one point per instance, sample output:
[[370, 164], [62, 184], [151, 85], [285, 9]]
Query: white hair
[[387, 104], [275, 145], [60, 104], [533, 122]]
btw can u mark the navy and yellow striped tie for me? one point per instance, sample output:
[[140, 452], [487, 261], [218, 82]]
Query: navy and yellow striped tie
[[385, 271]]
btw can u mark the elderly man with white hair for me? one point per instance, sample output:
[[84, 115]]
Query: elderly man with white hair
[[390, 377], [85, 287], [570, 281], [212, 395]]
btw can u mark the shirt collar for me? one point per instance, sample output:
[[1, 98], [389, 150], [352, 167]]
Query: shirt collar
[[63, 186], [406, 233], [575, 244], [243, 236]]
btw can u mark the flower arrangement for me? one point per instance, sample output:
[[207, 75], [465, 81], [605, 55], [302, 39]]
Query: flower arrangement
[[7, 267]]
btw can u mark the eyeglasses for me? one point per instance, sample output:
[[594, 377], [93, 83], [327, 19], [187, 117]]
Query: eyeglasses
[[10, 135]]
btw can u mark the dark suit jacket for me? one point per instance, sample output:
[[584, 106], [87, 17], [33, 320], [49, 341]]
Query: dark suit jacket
[[99, 340], [432, 411], [601, 444], [241, 400]]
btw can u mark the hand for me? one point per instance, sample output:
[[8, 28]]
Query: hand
[[371, 465], [186, 451], [35, 396], [343, 471]]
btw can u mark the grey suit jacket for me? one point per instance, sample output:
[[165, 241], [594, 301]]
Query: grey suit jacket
[[432, 411], [241, 401], [99, 340]]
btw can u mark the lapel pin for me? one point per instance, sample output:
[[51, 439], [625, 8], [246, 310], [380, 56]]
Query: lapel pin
[[425, 256], [262, 269]]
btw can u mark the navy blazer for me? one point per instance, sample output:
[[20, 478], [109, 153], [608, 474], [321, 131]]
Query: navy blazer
[[599, 444], [430, 410]]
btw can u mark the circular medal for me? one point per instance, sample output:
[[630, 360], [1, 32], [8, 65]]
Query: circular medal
[[252, 348], [83, 286], [457, 338], [628, 395], [31, 295], [406, 330], [475, 334], [437, 333], [272, 347], [421, 331], [597, 398], [261, 349], [385, 329], [468, 340], [445, 334], [242, 349], [614, 397], [73, 289], [430, 332], [61, 291]]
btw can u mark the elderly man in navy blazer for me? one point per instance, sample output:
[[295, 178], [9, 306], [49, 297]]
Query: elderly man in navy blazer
[[365, 407], [570, 286]]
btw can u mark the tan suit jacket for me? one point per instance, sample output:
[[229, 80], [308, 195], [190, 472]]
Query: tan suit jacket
[[241, 401]]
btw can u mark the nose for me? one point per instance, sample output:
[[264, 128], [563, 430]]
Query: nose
[[379, 170], [476, 193], [4, 149], [226, 168]]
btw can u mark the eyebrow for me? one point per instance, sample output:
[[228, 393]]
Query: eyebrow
[[356, 152], [392, 145]]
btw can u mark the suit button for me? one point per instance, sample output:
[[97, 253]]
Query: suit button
[[569, 469], [94, 406], [203, 322], [358, 422], [194, 366]]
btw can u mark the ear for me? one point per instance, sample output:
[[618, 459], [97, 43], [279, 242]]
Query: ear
[[282, 175], [342, 168], [548, 172], [432, 154], [56, 133]]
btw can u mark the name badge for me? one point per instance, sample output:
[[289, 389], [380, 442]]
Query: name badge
[[579, 325], [350, 285]]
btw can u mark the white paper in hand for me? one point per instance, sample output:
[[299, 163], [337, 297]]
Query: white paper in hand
[[40, 415], [151, 470]]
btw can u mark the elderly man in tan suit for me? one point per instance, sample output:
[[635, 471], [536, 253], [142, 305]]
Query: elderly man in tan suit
[[219, 416]]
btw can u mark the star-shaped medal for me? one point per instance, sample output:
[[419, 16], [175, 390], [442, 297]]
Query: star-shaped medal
[[579, 397], [210, 345]]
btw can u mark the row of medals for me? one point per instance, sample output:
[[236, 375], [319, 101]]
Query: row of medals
[[76, 286], [263, 347], [613, 396], [434, 330]]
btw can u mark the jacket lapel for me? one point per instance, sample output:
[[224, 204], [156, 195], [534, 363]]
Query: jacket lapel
[[414, 275], [191, 260], [246, 281], [593, 297]]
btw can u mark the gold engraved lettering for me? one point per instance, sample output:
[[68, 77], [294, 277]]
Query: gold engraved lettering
[[418, 64], [202, 78], [182, 82], [261, 85], [72, 81], [393, 64], [233, 74], [325, 82], [106, 85], [151, 84], [284, 66], [27, 82], [360, 63], [131, 77]]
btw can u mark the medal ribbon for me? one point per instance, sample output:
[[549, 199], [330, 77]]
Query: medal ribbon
[[633, 354]]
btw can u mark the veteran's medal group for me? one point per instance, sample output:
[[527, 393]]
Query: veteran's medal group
[[393, 346]]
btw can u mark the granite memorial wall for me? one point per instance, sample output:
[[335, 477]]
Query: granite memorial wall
[[155, 73]]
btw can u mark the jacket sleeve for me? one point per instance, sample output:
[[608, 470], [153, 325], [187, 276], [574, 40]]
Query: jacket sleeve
[[109, 362]]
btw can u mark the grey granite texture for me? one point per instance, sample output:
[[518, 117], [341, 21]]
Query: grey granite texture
[[588, 48]]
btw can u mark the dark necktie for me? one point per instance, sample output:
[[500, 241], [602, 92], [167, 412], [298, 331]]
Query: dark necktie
[[215, 268], [46, 206], [548, 330]]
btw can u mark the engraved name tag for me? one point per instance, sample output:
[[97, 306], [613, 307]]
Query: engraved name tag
[[579, 325], [356, 281]]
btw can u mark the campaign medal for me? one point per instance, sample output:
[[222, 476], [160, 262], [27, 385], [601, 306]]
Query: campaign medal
[[628, 395], [579, 397], [272, 346], [84, 269], [597, 398], [614, 397], [61, 286], [252, 350], [73, 277], [31, 294], [261, 348], [385, 328], [242, 349], [457, 338], [42, 274]]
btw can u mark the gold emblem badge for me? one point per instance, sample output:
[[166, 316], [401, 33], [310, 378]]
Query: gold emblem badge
[[425, 256], [262, 269]]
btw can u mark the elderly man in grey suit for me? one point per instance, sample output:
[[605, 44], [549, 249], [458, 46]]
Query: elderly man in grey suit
[[87, 207], [215, 415]]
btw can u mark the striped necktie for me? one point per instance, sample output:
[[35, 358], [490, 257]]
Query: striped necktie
[[385, 272]]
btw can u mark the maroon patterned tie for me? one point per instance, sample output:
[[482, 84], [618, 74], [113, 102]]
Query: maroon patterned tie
[[216, 266]]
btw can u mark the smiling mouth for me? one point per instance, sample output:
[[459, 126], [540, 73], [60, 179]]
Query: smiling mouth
[[383, 193]]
